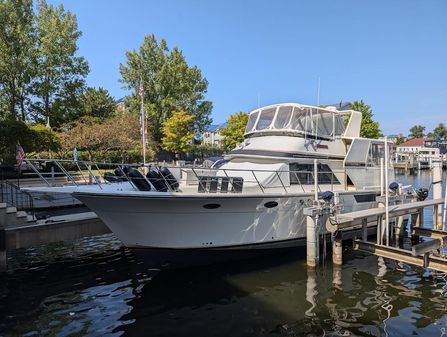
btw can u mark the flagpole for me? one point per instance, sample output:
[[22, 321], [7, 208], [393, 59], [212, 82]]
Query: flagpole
[[143, 124]]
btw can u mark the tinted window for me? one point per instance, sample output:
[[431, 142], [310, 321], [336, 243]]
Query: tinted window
[[303, 174]]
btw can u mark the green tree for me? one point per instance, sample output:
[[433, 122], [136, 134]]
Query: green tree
[[98, 138], [44, 139], [234, 132], [170, 84], [61, 73], [417, 131], [97, 103], [178, 132], [369, 128], [440, 132], [17, 55]]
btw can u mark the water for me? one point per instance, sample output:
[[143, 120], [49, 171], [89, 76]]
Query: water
[[96, 287]]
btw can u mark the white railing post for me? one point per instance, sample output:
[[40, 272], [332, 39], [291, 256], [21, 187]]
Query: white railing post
[[387, 219]]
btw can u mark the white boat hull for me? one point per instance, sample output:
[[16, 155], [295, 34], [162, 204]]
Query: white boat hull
[[195, 222]]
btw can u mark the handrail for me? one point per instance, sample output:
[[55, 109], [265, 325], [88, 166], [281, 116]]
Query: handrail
[[13, 196], [309, 175]]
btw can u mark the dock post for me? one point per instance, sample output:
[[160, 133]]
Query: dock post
[[312, 239], [437, 193], [337, 249], [416, 222]]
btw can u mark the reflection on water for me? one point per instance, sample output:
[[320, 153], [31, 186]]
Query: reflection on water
[[96, 287]]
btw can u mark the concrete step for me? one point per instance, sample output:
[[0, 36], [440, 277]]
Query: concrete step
[[11, 217], [10, 210]]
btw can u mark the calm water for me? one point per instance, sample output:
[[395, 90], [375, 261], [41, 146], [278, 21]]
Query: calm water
[[96, 287]]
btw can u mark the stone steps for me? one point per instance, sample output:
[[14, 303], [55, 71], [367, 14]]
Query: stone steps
[[9, 216]]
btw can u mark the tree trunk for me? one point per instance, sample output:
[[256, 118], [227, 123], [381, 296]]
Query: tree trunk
[[22, 108], [47, 106]]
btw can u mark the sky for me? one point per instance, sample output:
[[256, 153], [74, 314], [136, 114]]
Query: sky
[[392, 54]]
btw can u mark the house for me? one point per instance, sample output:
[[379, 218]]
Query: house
[[121, 104], [419, 149], [212, 135], [414, 145]]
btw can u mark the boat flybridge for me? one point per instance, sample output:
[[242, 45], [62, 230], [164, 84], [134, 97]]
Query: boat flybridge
[[254, 202]]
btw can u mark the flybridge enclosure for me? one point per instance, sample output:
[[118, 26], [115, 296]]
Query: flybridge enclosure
[[366, 152], [296, 119]]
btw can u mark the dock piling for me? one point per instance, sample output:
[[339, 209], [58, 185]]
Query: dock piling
[[437, 194], [337, 249], [312, 238]]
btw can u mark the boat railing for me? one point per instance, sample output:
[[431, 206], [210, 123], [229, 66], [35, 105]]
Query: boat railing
[[80, 172]]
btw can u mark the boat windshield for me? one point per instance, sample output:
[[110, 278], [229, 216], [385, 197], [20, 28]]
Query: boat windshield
[[317, 122]]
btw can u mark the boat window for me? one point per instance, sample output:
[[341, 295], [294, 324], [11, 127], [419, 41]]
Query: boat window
[[265, 119], [323, 121], [376, 151], [300, 119], [283, 117], [251, 121], [304, 174]]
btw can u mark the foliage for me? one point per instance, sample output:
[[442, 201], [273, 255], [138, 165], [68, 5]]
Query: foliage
[[17, 56], [119, 134], [178, 132], [369, 128], [234, 132], [440, 132], [97, 103], [32, 139], [170, 84], [61, 73], [44, 139], [400, 140], [417, 131]]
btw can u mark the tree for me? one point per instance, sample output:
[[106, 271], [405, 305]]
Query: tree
[[369, 128], [61, 73], [440, 132], [417, 131], [97, 103], [234, 132], [44, 139], [17, 55], [178, 132], [170, 84], [98, 138]]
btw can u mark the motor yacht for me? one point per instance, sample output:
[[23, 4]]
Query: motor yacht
[[254, 201]]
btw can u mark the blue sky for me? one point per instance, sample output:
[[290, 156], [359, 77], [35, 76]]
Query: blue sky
[[392, 54]]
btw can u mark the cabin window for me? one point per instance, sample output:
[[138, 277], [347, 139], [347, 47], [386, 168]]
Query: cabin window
[[283, 117], [266, 118], [252, 121], [304, 174]]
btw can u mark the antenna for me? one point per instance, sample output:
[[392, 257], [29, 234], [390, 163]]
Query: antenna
[[318, 92]]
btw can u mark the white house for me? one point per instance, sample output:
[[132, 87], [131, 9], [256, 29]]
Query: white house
[[212, 136]]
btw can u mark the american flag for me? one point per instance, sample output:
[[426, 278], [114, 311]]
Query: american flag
[[20, 154], [141, 90]]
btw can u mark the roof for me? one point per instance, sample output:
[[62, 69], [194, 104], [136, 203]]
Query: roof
[[415, 142], [215, 127]]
